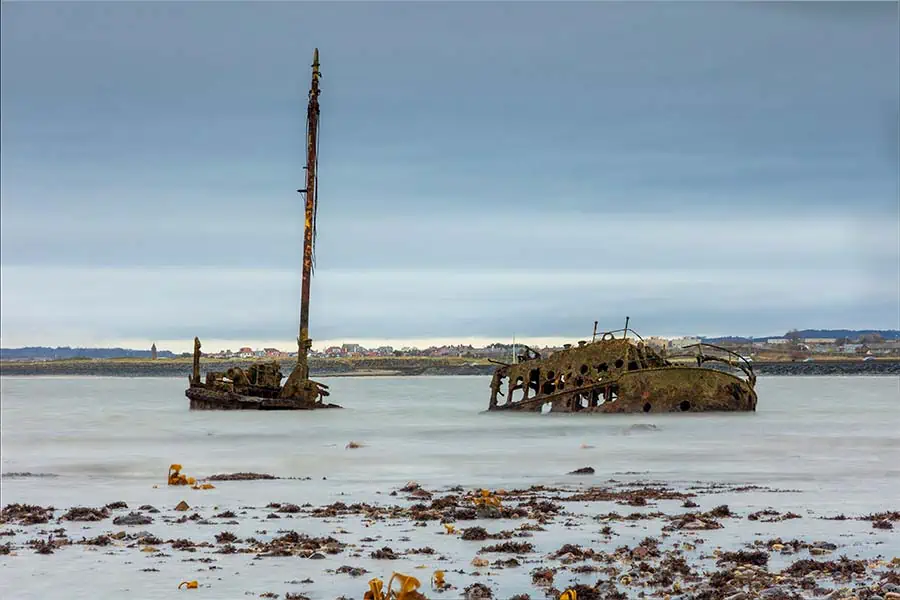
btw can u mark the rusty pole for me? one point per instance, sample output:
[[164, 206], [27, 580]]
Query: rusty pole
[[312, 130]]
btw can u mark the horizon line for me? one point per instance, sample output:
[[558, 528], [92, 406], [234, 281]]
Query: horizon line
[[214, 345]]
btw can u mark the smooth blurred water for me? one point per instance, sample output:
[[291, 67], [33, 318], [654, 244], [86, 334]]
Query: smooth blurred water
[[836, 439], [831, 433]]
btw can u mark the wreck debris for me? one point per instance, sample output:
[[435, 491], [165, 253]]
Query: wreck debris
[[624, 375], [260, 387]]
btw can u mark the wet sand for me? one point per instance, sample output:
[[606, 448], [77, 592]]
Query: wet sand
[[604, 538]]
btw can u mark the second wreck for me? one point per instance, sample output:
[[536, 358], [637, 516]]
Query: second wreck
[[618, 374]]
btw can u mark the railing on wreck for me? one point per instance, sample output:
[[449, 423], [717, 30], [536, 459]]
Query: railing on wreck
[[733, 359], [624, 331]]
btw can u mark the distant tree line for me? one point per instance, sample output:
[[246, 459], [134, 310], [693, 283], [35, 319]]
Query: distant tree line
[[65, 352]]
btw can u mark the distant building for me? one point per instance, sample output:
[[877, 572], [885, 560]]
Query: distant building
[[819, 340], [245, 352], [352, 348], [153, 352], [683, 342], [778, 341], [658, 343]]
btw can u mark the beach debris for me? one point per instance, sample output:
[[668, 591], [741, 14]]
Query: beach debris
[[353, 444], [176, 478], [569, 594], [132, 518], [438, 582], [385, 553], [509, 547], [83, 513], [182, 506], [203, 486], [376, 590], [474, 534], [241, 477], [451, 529], [408, 586], [487, 498], [478, 591], [351, 571], [26, 514], [189, 585]]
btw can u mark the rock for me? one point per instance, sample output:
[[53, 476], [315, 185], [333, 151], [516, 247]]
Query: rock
[[583, 471], [487, 512], [182, 506], [478, 591], [892, 596], [738, 596], [132, 519], [825, 545]]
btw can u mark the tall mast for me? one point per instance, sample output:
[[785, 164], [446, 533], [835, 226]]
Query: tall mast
[[309, 235]]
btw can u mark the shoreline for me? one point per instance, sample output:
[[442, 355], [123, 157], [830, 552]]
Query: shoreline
[[384, 367]]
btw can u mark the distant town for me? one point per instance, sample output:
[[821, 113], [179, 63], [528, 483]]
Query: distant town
[[872, 344], [794, 344]]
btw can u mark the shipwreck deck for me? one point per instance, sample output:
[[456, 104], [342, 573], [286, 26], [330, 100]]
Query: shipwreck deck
[[205, 399]]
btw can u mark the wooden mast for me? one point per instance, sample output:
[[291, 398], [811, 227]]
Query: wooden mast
[[309, 236]]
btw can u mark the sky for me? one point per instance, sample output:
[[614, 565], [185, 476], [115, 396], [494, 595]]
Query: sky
[[487, 170]]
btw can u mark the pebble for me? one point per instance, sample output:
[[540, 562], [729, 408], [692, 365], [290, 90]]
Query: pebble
[[892, 595]]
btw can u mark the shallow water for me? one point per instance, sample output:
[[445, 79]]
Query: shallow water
[[835, 439]]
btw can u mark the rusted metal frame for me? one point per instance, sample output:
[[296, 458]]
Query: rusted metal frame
[[541, 398], [749, 368], [622, 331], [312, 126]]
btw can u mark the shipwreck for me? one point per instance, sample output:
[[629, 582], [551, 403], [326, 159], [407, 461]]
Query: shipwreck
[[259, 387], [615, 373]]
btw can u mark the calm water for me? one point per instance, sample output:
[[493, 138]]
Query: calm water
[[834, 433], [837, 439]]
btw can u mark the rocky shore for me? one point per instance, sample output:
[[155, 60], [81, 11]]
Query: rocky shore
[[606, 539], [386, 367]]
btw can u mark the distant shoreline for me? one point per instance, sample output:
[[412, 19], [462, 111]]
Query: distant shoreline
[[383, 366]]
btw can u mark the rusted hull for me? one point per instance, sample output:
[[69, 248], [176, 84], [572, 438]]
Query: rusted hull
[[665, 389], [623, 375], [205, 399]]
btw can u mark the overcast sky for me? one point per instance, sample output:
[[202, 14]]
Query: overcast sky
[[486, 169]]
